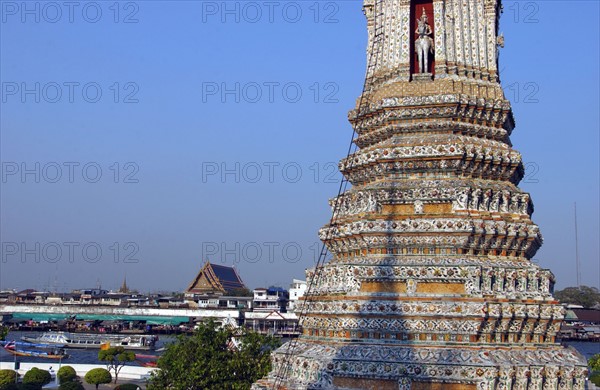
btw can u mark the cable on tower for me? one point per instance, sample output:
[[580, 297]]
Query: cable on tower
[[376, 45]]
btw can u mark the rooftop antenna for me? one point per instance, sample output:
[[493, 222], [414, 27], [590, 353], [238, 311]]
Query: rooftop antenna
[[577, 265], [55, 279]]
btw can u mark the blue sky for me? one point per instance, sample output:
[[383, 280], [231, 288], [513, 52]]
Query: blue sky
[[161, 133]]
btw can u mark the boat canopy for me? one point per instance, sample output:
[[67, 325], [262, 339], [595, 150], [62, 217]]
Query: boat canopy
[[31, 345], [150, 320], [40, 317]]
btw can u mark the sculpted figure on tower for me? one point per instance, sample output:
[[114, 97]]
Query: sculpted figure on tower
[[423, 43]]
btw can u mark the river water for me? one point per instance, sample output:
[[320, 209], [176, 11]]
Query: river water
[[90, 356], [587, 349], [76, 356]]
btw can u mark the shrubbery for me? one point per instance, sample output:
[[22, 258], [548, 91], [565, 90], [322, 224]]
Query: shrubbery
[[127, 386], [37, 377], [73, 385], [7, 377], [98, 376], [594, 366], [66, 374]]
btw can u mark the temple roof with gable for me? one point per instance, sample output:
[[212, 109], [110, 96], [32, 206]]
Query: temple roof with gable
[[214, 278]]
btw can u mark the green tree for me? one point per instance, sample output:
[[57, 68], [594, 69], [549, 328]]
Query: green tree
[[594, 362], [127, 386], [594, 366], [7, 378], [115, 359], [37, 377], [66, 374], [98, 376], [585, 296], [73, 385], [3, 332], [208, 359]]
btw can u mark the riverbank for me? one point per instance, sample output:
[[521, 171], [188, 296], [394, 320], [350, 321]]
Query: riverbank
[[134, 374], [83, 360]]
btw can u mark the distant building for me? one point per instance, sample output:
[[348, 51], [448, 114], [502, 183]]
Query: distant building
[[139, 300], [297, 290], [274, 322], [31, 296], [90, 296], [215, 279], [112, 299], [71, 299], [270, 299], [124, 289], [218, 286], [223, 302], [166, 302], [580, 324], [7, 296]]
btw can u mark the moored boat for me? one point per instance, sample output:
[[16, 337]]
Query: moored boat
[[147, 360], [92, 340], [46, 351]]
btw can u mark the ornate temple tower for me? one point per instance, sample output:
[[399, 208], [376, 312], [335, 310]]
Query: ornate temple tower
[[431, 285]]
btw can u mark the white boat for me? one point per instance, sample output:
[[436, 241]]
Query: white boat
[[92, 340]]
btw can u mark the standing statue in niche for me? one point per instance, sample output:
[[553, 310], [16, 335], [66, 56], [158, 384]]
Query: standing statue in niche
[[424, 43]]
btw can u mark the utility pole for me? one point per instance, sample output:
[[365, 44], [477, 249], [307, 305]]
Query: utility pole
[[577, 266]]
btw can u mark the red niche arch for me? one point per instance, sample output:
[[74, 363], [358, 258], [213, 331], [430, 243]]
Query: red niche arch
[[416, 10]]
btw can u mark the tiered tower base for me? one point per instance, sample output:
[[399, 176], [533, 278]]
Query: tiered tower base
[[431, 285]]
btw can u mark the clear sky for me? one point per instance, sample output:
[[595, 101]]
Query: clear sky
[[162, 133]]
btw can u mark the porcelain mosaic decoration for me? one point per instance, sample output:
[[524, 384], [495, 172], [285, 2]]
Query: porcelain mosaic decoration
[[431, 285]]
